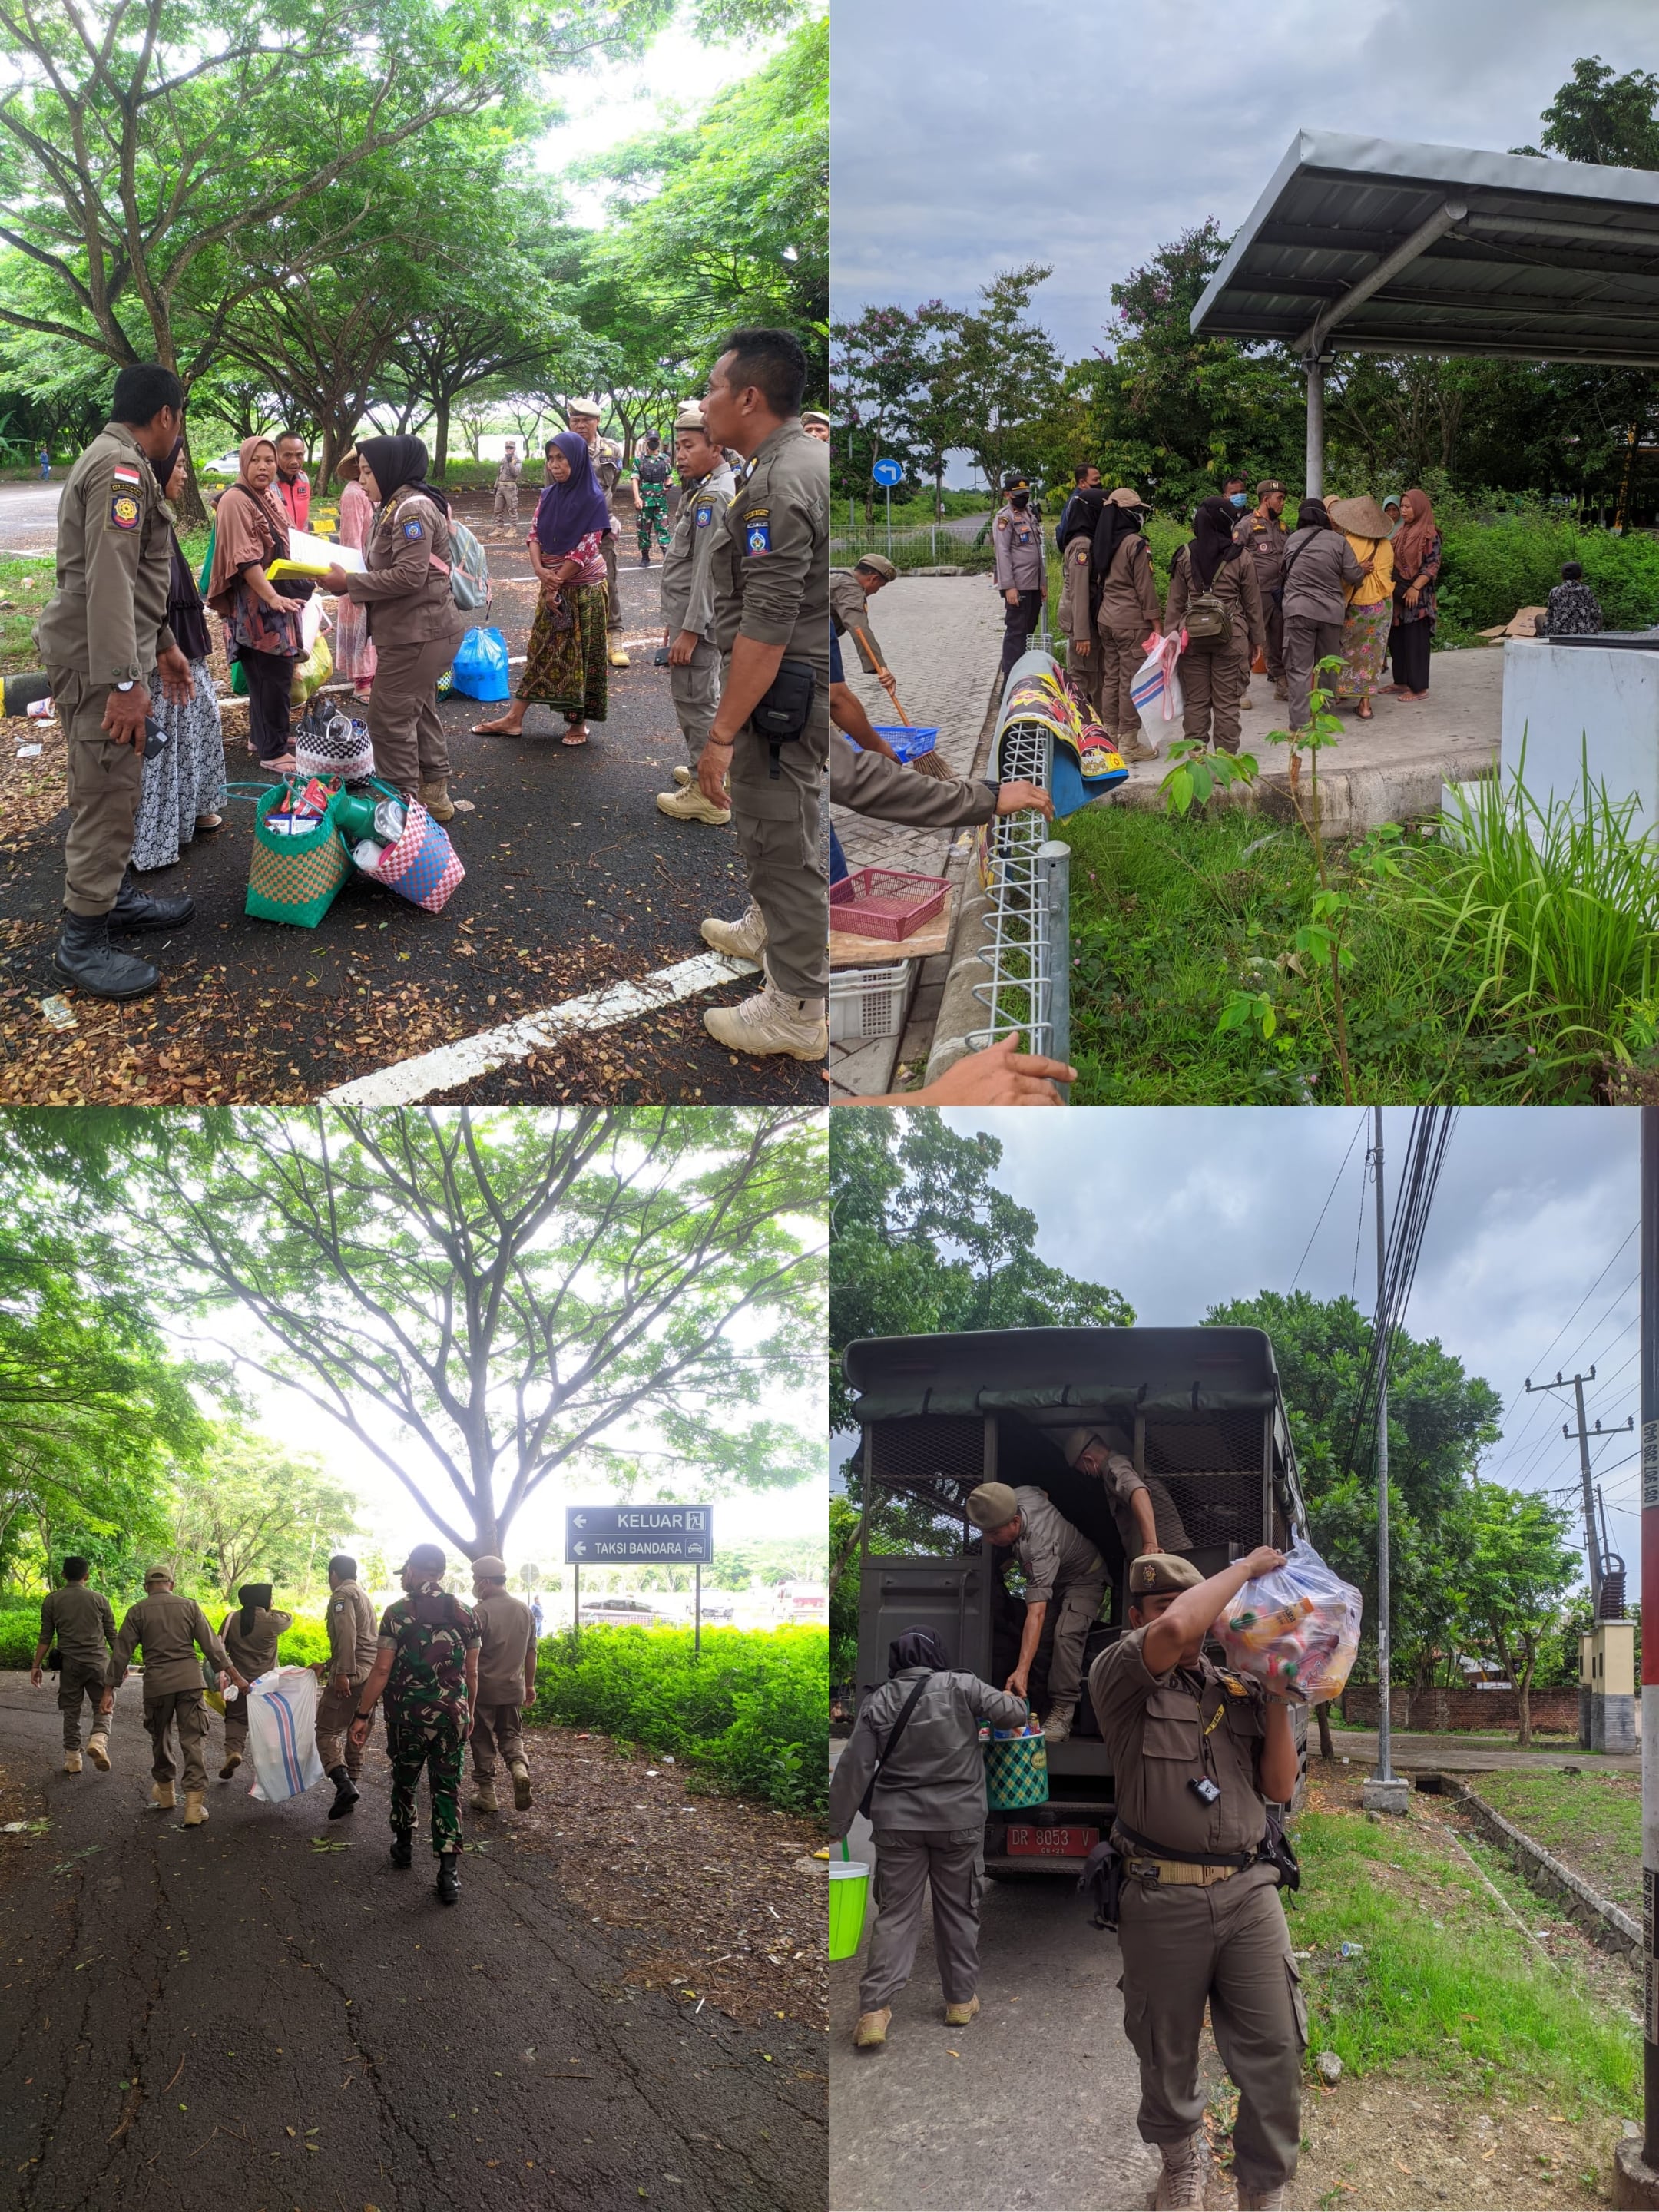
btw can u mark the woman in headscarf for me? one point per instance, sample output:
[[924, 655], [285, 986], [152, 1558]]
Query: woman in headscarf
[[1077, 600], [1416, 572], [354, 656], [250, 532], [413, 619], [1320, 567], [182, 789], [566, 665], [1215, 667], [924, 1795], [250, 1635], [1370, 610], [1127, 613]]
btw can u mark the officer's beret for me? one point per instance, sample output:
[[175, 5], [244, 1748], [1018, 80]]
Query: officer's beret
[[878, 564], [1161, 1574], [492, 1569], [690, 416], [585, 407], [1267, 484], [158, 1575], [817, 414], [993, 1505]]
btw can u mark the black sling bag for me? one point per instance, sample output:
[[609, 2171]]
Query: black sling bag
[[896, 1731]]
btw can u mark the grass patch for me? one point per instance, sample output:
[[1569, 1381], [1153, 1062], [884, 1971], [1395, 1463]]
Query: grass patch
[[1445, 1977], [1592, 1822], [24, 587]]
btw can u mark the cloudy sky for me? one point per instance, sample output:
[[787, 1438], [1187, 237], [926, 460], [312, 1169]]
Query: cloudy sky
[[1528, 1262], [951, 158]]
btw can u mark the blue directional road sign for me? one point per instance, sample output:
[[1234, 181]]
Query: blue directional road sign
[[887, 472], [638, 1536]]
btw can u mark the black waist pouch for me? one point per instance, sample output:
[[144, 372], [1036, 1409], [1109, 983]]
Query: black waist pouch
[[786, 710], [1101, 1882]]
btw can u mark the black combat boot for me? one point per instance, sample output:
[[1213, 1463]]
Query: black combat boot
[[449, 1878], [345, 1793], [136, 909], [403, 1847], [85, 957]]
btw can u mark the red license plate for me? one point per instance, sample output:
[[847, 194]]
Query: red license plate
[[1051, 1842]]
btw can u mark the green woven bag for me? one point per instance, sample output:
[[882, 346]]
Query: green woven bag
[[1016, 1772], [294, 878]]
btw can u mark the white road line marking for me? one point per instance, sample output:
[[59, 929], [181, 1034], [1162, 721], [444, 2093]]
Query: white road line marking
[[406, 1082]]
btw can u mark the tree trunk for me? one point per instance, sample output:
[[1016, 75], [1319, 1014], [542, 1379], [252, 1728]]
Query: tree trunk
[[441, 439], [838, 1565], [1524, 1691], [1322, 1715]]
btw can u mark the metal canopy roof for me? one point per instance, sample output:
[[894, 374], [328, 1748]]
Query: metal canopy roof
[[1369, 244]]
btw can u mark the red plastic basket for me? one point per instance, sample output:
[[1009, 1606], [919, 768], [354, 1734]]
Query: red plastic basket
[[883, 902]]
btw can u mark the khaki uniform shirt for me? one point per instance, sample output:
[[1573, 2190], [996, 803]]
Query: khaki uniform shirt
[[407, 599], [1263, 540], [1163, 1731], [936, 1776], [771, 571], [849, 610], [1234, 584], [1128, 602], [1051, 1551], [171, 1629], [1075, 619], [607, 467], [507, 1629], [79, 1621], [108, 619], [253, 1651], [872, 784], [509, 474], [354, 1633], [1016, 550], [688, 588], [1122, 1482]]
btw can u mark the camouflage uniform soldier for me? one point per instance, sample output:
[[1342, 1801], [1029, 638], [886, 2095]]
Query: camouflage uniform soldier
[[78, 1619], [651, 497], [428, 1671]]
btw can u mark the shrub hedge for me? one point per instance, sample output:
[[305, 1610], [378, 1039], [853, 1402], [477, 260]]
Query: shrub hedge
[[301, 1645], [1489, 569]]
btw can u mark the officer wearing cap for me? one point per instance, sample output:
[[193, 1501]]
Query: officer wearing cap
[[1064, 1583], [1263, 534], [507, 1683], [851, 591], [583, 415], [1148, 1517], [1018, 569], [707, 486], [817, 424], [353, 1647], [171, 1631], [1198, 1753]]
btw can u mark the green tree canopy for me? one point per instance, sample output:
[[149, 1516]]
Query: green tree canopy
[[1516, 1574], [252, 1511]]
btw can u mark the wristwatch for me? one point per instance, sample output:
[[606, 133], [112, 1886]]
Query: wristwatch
[[130, 684]]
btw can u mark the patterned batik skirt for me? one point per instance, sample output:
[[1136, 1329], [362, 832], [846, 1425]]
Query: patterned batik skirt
[[187, 778], [1365, 650], [568, 669]]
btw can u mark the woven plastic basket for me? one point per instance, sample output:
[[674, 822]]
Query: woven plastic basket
[[885, 903], [295, 880], [1016, 1772]]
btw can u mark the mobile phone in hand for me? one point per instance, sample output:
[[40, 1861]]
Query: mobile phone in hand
[[155, 738]]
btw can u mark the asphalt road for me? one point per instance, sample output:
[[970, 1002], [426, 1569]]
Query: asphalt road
[[219, 2019], [1450, 1754], [29, 516], [575, 881]]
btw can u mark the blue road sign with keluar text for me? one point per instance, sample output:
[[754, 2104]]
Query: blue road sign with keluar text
[[638, 1536], [887, 472]]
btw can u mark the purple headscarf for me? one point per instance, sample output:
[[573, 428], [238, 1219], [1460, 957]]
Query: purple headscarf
[[567, 512]]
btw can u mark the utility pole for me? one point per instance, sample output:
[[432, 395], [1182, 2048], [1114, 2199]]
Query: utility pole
[[1584, 1432], [1383, 1791]]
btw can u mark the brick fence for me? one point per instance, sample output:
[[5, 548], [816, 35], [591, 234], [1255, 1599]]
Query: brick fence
[[1437, 1711]]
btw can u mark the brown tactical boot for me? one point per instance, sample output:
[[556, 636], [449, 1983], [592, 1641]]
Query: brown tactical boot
[[871, 2032], [771, 1021], [97, 1746], [483, 1799], [233, 1760], [959, 2016], [161, 1796], [71, 1762], [1186, 2171], [1261, 2200], [195, 1810], [1134, 746], [435, 798], [742, 940], [520, 1785]]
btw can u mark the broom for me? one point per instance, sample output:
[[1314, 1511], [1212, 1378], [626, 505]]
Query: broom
[[924, 764]]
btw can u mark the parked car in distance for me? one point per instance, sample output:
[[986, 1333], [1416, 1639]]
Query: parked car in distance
[[621, 1612]]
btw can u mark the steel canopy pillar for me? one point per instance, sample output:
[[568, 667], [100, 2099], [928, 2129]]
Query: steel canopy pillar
[[1316, 463]]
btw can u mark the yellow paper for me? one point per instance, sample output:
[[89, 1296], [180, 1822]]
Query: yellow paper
[[308, 556]]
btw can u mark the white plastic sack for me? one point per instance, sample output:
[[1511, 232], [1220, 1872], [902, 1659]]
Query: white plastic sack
[[312, 623], [1296, 1629], [1156, 689], [281, 1734]]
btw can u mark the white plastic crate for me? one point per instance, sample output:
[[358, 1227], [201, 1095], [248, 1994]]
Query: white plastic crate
[[867, 1003]]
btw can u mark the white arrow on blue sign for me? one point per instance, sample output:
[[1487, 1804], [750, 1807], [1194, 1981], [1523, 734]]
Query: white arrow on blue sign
[[638, 1536], [887, 472]]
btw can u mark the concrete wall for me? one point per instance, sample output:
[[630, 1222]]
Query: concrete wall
[[1446, 1710], [1571, 703]]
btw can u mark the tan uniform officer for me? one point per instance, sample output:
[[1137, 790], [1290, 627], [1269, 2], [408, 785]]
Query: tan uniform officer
[[928, 1816], [1064, 1580], [817, 424], [707, 488], [1213, 671], [867, 784], [507, 1683], [1018, 569], [250, 1635], [103, 629], [504, 514], [78, 1619], [1263, 534], [770, 737], [584, 419], [1128, 616], [1077, 620], [851, 591], [353, 1646], [1196, 1751], [414, 623], [1148, 1517], [172, 1630]]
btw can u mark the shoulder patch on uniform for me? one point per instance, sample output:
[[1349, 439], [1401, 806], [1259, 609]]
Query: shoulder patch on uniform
[[757, 538], [121, 474], [413, 529], [756, 513], [1002, 522], [124, 511], [705, 513], [1081, 556]]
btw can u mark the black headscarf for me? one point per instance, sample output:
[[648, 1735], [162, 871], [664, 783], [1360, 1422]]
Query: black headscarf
[[1311, 515], [1113, 525], [251, 1596], [917, 1646], [1082, 515], [399, 463], [1212, 541], [186, 617]]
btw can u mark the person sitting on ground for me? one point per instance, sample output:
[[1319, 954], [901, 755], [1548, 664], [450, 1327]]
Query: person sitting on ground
[[927, 1817], [567, 662], [250, 532], [250, 1635], [184, 792], [1572, 610]]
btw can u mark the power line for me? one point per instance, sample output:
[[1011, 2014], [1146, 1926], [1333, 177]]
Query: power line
[[1538, 1363], [1425, 1152], [1542, 1445], [1330, 1196]]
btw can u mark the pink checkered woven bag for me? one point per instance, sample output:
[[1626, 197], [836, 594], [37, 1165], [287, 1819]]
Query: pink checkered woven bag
[[423, 866]]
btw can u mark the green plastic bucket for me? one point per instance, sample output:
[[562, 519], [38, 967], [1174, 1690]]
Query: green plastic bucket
[[849, 1886], [1016, 1772]]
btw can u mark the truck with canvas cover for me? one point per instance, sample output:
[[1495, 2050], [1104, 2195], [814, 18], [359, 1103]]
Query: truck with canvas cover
[[1199, 1410]]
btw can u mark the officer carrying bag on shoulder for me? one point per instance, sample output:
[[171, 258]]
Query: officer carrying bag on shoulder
[[893, 1733], [1206, 621]]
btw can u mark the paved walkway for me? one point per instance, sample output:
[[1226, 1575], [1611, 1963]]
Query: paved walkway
[[1449, 1754], [29, 516]]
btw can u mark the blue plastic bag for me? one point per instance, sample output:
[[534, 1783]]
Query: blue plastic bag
[[480, 669]]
